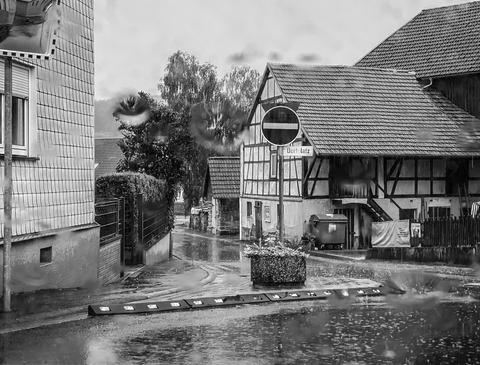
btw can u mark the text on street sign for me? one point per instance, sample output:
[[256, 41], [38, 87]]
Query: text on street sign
[[296, 151]]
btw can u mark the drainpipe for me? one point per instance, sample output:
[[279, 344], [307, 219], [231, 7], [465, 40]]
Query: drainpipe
[[430, 84]]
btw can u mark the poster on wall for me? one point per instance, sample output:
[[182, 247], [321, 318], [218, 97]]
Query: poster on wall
[[28, 28], [267, 213], [391, 234], [415, 230]]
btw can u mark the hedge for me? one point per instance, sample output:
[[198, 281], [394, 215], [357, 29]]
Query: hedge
[[129, 185]]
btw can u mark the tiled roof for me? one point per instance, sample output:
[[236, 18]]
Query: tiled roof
[[107, 155], [362, 111], [224, 174], [437, 42]]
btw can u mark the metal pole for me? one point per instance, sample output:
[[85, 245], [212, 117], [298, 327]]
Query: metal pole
[[7, 185], [280, 194]]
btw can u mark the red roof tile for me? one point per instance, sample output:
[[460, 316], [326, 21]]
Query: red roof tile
[[364, 111], [437, 42], [107, 155], [224, 174]]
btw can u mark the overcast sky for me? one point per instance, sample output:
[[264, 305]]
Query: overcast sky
[[133, 39]]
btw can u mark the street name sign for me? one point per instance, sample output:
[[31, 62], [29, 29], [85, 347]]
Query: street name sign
[[298, 151], [280, 125]]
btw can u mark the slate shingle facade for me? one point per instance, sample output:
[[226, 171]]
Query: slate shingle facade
[[54, 187], [53, 180]]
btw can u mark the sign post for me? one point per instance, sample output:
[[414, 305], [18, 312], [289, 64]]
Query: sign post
[[280, 127], [27, 29], [7, 193]]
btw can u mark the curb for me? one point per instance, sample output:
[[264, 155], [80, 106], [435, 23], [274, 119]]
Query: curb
[[334, 257]]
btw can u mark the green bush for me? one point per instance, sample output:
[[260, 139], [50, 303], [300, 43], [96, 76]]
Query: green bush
[[278, 270], [129, 185], [269, 245]]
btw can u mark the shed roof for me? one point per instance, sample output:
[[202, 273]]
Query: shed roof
[[365, 111], [223, 173], [437, 42], [107, 154]]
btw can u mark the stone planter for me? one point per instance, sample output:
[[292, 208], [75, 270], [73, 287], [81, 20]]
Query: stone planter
[[278, 270]]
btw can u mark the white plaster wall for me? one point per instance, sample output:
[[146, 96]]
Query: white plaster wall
[[159, 252], [416, 203]]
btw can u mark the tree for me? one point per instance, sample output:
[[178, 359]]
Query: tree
[[185, 84], [213, 111], [158, 146]]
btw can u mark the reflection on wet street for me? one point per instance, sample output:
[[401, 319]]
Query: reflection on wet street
[[448, 334], [308, 332], [211, 249]]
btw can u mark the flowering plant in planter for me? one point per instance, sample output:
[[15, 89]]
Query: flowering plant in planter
[[276, 263]]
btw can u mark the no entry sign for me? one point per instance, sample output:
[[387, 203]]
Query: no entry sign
[[280, 125]]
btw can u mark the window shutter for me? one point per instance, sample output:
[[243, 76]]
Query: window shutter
[[21, 79]]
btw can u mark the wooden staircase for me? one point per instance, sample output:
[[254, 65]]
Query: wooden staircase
[[375, 211]]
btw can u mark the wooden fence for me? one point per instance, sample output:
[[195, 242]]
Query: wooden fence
[[449, 232]]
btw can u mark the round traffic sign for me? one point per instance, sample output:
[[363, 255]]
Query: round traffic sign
[[280, 125]]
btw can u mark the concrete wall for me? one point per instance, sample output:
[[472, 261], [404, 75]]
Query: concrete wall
[[74, 261], [453, 255], [297, 212], [109, 264], [159, 252]]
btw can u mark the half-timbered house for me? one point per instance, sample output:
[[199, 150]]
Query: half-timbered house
[[387, 146]]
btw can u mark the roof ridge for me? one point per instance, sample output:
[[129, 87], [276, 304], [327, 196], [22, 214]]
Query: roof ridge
[[391, 70], [468, 3], [223, 157]]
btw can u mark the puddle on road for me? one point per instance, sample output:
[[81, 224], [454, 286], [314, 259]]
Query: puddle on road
[[210, 250], [446, 334]]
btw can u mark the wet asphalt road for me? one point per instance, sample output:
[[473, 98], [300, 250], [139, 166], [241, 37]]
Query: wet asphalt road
[[308, 332], [416, 329]]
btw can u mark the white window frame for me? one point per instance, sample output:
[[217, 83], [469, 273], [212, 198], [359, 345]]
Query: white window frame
[[30, 126]]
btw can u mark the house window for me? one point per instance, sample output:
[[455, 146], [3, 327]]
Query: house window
[[408, 214], [439, 212], [273, 165], [46, 255], [20, 110], [249, 209]]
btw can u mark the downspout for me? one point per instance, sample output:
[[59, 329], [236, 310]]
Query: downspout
[[430, 84]]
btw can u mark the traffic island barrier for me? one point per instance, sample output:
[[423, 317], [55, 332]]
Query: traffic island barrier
[[297, 295], [334, 295], [214, 302], [102, 310], [250, 298], [367, 292]]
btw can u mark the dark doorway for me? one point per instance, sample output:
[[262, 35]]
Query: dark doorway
[[350, 214], [258, 220], [456, 176]]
